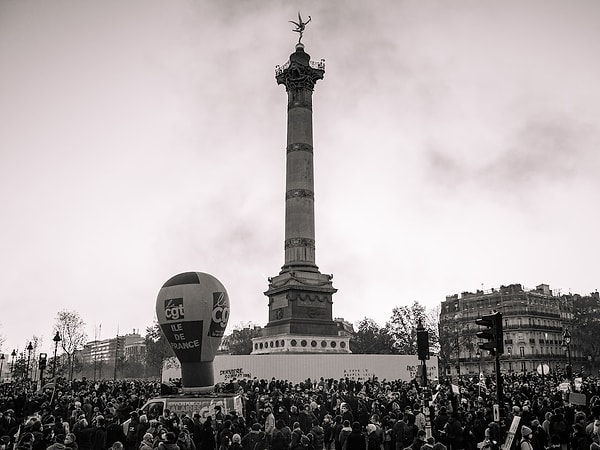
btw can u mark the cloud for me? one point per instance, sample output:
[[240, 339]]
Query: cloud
[[554, 149]]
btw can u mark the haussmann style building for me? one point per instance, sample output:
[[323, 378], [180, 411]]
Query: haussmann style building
[[534, 322]]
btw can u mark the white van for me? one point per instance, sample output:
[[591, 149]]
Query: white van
[[203, 404]]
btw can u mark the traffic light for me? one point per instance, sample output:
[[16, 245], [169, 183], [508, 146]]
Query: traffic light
[[493, 334], [422, 342], [43, 360]]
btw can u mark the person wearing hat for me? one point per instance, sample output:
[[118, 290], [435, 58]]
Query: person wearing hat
[[525, 443]]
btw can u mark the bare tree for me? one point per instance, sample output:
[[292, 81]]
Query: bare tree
[[2, 339], [70, 327]]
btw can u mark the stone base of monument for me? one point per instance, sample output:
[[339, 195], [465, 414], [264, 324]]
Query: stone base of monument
[[290, 343]]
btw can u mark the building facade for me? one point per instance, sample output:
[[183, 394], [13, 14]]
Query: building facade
[[533, 325], [130, 347]]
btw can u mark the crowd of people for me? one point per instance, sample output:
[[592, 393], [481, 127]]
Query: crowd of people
[[323, 414]]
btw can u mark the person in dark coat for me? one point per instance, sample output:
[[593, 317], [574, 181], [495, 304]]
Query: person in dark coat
[[438, 426], [337, 428], [131, 442], [580, 440], [99, 434], [373, 440], [207, 436], [419, 441], [282, 436], [306, 418], [250, 439], [356, 439], [318, 435], [454, 432], [84, 434]]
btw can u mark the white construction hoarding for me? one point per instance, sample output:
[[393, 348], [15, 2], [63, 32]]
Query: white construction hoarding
[[297, 368]]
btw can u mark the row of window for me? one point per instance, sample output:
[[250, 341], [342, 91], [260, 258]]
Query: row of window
[[294, 343]]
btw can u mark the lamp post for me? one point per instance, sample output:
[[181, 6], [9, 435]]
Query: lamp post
[[12, 364], [478, 354], [1, 365], [29, 349], [547, 353], [509, 351], [56, 340], [567, 342], [456, 318]]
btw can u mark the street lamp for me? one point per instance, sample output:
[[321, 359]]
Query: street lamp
[[29, 349], [456, 318], [56, 340], [509, 360], [478, 354], [547, 353], [567, 343], [12, 364], [1, 365]]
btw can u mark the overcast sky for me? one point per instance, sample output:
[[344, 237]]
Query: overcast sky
[[456, 146]]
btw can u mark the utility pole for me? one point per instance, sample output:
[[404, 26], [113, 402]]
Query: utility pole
[[116, 356]]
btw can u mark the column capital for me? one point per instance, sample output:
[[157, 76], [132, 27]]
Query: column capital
[[300, 72]]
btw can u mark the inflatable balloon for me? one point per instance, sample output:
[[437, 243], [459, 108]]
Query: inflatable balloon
[[192, 309]]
